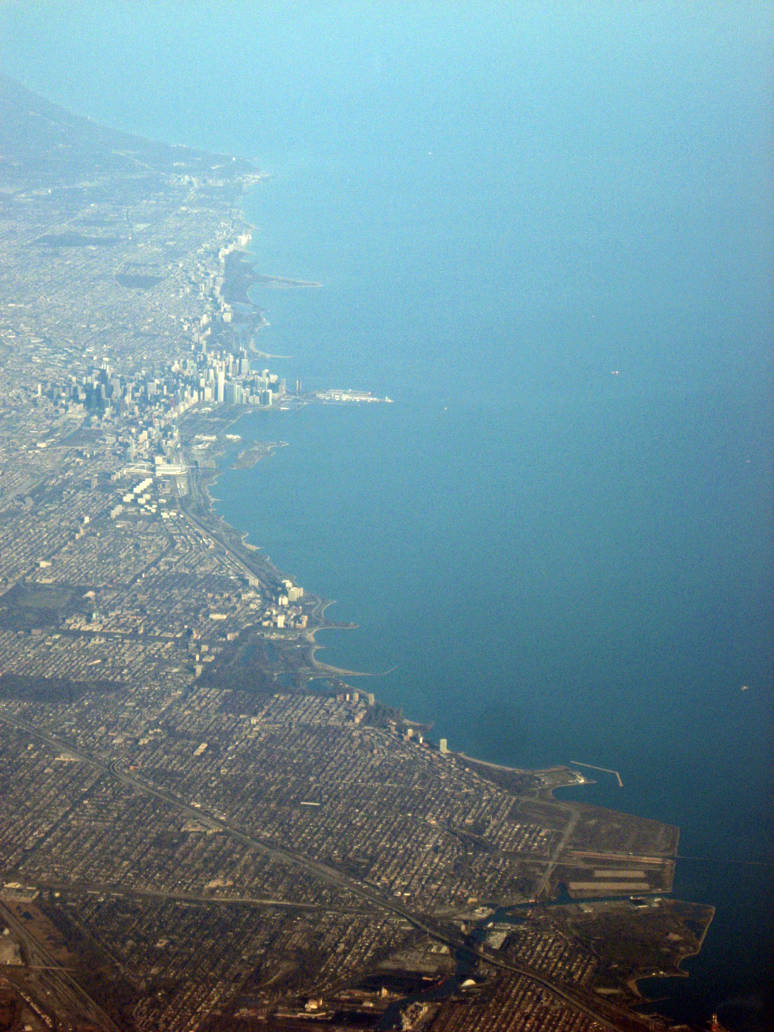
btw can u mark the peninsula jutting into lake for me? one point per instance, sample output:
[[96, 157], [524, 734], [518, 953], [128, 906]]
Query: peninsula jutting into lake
[[202, 826]]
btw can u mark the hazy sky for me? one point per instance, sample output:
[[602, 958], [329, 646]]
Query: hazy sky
[[195, 63]]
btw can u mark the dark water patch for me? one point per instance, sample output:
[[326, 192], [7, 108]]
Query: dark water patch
[[137, 281], [52, 689], [73, 239], [465, 964]]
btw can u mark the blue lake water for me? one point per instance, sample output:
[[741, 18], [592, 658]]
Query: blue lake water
[[547, 234]]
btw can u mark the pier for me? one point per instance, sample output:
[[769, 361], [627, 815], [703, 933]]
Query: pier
[[605, 770]]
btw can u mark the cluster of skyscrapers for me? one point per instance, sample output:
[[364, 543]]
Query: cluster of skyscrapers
[[218, 377]]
